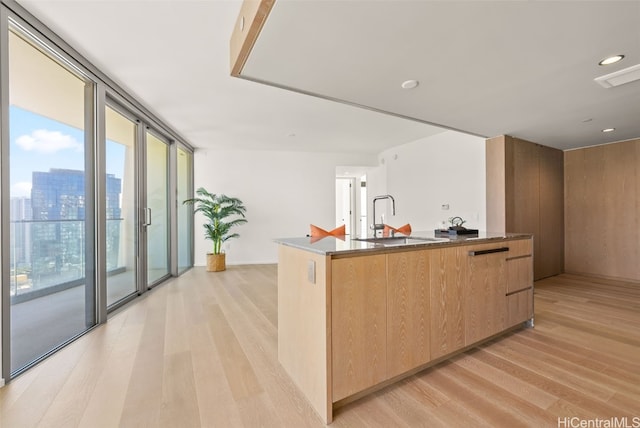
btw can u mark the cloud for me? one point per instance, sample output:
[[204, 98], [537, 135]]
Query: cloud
[[22, 188], [47, 142]]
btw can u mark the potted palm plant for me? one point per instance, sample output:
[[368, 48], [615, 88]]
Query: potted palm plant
[[218, 209]]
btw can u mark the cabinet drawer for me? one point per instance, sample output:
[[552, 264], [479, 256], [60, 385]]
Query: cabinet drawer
[[519, 248], [519, 273], [519, 307]]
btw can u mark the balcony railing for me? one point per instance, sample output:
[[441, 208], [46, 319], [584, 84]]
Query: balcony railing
[[49, 255]]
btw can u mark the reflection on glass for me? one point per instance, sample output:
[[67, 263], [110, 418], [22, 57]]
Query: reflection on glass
[[52, 295], [184, 211], [158, 209], [120, 206]]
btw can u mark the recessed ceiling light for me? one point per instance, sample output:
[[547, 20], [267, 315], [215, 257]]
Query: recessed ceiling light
[[611, 60], [409, 84], [609, 130]]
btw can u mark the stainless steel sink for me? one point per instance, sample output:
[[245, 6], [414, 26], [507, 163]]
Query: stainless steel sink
[[397, 240]]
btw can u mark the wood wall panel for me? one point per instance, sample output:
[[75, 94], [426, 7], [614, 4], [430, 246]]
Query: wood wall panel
[[621, 167], [358, 323], [574, 190], [408, 311], [602, 205], [550, 261]]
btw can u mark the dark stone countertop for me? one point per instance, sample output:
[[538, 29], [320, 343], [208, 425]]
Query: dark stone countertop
[[344, 245]]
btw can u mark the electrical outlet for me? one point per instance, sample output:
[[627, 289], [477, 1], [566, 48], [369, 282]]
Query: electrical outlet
[[311, 271]]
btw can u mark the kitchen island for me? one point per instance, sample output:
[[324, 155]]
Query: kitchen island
[[355, 316]]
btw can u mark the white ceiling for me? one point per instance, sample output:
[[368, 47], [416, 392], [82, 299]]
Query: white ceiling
[[173, 56], [523, 68], [485, 67]]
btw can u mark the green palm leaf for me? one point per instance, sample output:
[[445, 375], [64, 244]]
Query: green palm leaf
[[217, 210]]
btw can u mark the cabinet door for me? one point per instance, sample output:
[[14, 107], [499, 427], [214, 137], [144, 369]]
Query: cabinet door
[[408, 311], [448, 274], [358, 323], [485, 300]]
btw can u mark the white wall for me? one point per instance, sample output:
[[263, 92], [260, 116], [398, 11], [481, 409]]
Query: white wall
[[283, 191], [447, 168]]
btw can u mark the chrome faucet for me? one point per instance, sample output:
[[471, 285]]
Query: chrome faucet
[[379, 226]]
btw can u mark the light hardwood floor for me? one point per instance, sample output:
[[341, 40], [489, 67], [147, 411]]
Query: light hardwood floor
[[201, 351]]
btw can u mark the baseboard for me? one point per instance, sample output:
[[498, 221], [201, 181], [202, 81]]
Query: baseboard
[[243, 263], [604, 277], [1, 382]]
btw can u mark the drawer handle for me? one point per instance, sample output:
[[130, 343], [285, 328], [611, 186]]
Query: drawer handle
[[492, 250]]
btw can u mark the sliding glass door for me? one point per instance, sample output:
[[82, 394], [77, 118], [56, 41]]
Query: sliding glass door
[[52, 286], [184, 212], [121, 202], [91, 187], [156, 213]]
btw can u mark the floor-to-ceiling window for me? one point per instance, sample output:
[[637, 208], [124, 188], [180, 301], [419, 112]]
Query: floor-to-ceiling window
[[52, 288], [86, 186], [121, 202], [157, 210], [184, 212]]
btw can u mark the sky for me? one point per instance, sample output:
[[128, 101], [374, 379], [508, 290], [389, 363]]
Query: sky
[[40, 144]]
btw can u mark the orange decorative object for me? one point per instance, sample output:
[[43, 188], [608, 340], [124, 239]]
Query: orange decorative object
[[318, 232], [405, 230]]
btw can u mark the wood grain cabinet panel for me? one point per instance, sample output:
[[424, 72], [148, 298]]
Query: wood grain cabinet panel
[[525, 194], [519, 274], [602, 210], [393, 311], [520, 247], [519, 265], [485, 291], [358, 324], [549, 259], [448, 275], [408, 311], [519, 307]]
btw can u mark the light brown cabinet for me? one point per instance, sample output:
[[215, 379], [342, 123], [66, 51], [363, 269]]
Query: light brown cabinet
[[519, 307], [519, 290], [485, 291], [408, 320], [448, 277], [393, 311], [519, 270], [359, 323], [525, 194]]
